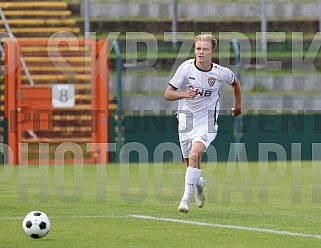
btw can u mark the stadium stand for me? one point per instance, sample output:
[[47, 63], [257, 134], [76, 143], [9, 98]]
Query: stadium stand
[[36, 25], [37, 18]]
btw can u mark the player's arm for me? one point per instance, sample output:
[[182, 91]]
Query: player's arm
[[236, 87], [172, 94]]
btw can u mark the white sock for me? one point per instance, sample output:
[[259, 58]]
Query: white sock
[[191, 178], [200, 181]]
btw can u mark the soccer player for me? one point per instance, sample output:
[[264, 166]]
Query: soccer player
[[196, 85]]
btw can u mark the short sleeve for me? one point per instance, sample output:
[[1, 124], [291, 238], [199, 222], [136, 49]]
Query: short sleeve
[[229, 76], [179, 77]]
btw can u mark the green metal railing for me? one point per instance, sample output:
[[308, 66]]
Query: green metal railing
[[4, 128], [238, 120], [119, 65]]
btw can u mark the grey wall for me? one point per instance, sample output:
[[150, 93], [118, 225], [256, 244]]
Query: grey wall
[[286, 83], [204, 10], [291, 92], [258, 102]]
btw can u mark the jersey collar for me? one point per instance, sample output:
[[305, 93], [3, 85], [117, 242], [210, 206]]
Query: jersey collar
[[201, 69]]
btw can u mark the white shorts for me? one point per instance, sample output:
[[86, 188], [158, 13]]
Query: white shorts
[[187, 140]]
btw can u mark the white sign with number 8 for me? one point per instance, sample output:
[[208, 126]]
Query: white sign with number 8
[[63, 95]]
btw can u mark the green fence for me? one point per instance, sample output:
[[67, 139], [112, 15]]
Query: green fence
[[283, 136], [4, 139]]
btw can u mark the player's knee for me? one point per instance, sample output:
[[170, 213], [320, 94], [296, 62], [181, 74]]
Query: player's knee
[[193, 158]]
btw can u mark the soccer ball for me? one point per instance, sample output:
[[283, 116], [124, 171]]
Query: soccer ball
[[36, 224]]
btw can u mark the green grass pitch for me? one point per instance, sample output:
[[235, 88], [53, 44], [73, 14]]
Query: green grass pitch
[[247, 205]]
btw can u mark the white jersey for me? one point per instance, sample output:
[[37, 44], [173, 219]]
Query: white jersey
[[200, 112]]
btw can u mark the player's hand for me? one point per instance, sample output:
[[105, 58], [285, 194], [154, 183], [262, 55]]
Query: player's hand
[[191, 93], [236, 111]]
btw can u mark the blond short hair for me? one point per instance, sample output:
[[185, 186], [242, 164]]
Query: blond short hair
[[206, 37]]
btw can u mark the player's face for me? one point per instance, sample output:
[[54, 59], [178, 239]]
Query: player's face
[[203, 51]]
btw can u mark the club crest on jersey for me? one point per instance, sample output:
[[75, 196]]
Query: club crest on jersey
[[211, 81]]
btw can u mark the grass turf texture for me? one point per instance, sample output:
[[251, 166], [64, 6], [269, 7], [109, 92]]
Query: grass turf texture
[[92, 209]]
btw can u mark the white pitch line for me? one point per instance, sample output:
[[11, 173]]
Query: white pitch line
[[195, 223], [89, 217], [69, 217], [242, 228], [12, 218]]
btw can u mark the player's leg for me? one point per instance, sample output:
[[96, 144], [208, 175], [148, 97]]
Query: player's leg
[[205, 139], [186, 146], [199, 192], [186, 162], [195, 155], [192, 175], [197, 151]]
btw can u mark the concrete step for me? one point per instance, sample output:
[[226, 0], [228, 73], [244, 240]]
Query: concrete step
[[46, 69], [39, 22], [36, 13], [40, 60], [27, 1], [34, 5], [58, 78], [48, 48], [42, 31]]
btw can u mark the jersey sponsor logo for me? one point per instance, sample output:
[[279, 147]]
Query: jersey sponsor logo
[[211, 81], [201, 92]]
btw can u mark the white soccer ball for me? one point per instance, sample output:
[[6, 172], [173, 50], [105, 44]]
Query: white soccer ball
[[36, 224]]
